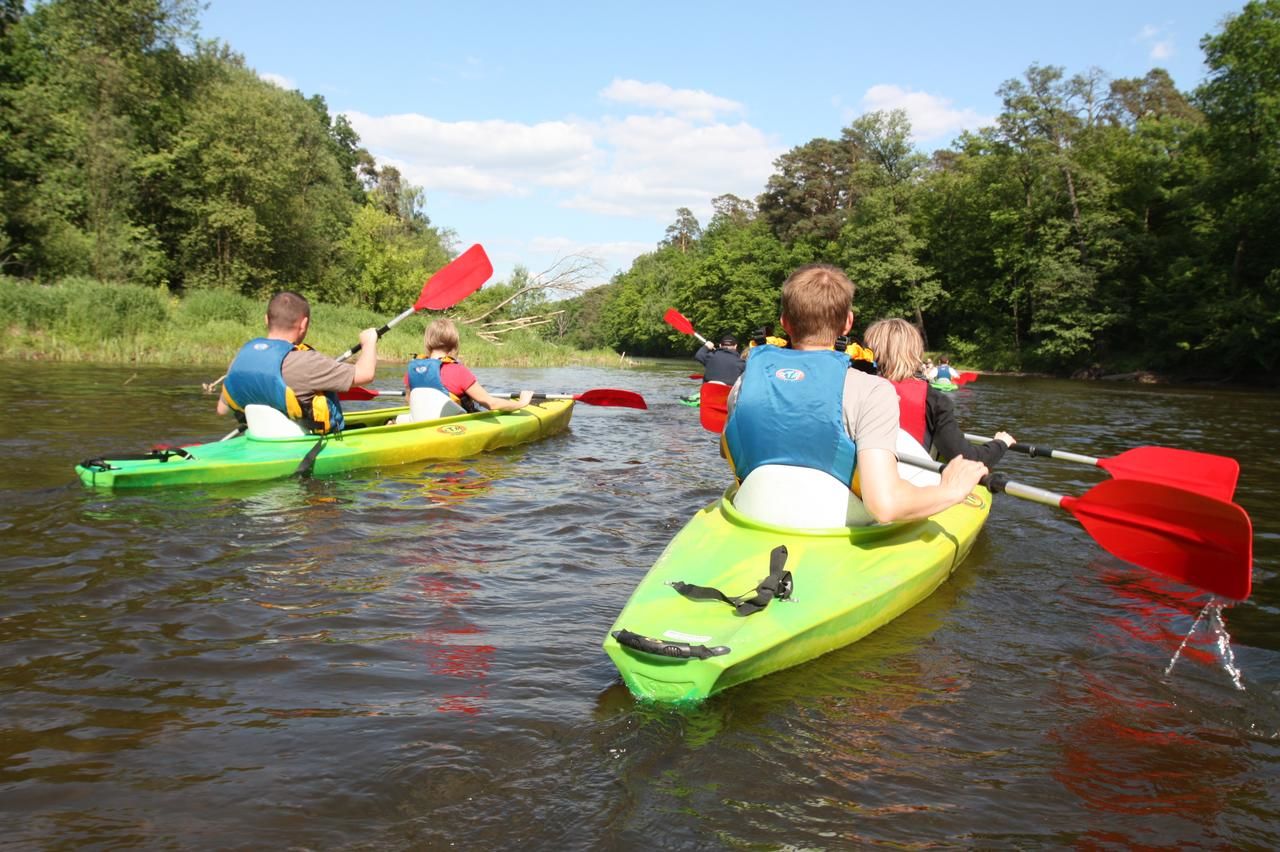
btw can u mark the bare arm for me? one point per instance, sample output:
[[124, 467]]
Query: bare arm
[[498, 403], [889, 497], [367, 361]]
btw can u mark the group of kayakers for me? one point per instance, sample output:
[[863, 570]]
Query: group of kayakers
[[277, 383], [812, 432]]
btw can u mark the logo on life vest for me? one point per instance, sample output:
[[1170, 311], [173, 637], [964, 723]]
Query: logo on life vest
[[789, 374], [260, 347], [453, 429], [419, 369]]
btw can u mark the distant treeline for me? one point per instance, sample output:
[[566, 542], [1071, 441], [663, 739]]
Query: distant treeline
[[1114, 221], [132, 151]]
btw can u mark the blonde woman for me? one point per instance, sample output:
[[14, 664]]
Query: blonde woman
[[926, 414], [439, 370]]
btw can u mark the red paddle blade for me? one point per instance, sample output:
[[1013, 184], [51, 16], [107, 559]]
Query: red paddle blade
[[1204, 473], [696, 376], [965, 377], [358, 393], [455, 281], [612, 397], [676, 320], [713, 406], [1191, 538]]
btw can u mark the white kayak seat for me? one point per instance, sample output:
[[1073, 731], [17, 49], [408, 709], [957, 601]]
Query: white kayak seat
[[267, 422], [799, 497], [429, 404], [909, 447], [804, 498]]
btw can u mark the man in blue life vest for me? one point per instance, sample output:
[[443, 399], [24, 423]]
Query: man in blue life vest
[[721, 364], [280, 372], [804, 423]]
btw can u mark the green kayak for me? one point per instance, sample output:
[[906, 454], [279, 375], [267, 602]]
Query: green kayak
[[371, 439], [677, 641], [692, 400], [944, 385]]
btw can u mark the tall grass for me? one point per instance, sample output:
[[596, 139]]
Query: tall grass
[[82, 320]]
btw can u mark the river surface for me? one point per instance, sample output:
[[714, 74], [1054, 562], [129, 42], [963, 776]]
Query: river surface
[[410, 658]]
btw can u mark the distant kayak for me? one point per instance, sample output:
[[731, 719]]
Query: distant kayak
[[944, 385], [692, 400], [372, 439]]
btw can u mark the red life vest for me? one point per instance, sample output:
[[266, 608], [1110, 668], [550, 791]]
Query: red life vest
[[911, 408]]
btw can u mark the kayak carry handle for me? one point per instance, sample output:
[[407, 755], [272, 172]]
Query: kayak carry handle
[[663, 648]]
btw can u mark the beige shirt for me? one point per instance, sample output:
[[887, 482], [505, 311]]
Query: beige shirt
[[308, 373]]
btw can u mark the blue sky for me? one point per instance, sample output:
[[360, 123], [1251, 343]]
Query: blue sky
[[577, 128]]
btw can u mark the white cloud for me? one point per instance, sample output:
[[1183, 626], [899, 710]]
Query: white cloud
[[479, 158], [932, 116], [639, 166], [1162, 47], [690, 103], [279, 80]]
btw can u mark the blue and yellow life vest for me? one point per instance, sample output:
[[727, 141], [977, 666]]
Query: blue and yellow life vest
[[790, 411], [424, 372], [255, 378]]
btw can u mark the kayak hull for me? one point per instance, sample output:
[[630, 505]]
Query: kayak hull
[[370, 440], [847, 583]]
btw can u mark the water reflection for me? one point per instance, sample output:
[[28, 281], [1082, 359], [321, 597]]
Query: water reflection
[[410, 658]]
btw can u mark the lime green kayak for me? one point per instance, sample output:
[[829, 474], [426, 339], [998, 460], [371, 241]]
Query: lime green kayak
[[944, 385], [371, 439], [675, 641]]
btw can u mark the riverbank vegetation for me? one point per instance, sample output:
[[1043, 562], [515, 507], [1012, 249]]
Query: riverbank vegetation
[[1122, 223], [85, 320]]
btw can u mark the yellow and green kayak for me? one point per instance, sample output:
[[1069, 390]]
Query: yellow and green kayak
[[371, 439], [695, 625]]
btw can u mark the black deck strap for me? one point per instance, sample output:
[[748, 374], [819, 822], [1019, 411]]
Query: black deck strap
[[308, 463], [160, 454], [667, 648], [777, 585]]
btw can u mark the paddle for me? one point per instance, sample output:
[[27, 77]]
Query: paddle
[[453, 282], [1213, 476], [1191, 538], [448, 286], [606, 397], [964, 377], [696, 376], [676, 320]]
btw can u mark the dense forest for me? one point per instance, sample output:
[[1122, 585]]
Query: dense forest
[[133, 152], [1114, 222]]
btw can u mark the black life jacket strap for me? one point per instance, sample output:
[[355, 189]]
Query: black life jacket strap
[[777, 585]]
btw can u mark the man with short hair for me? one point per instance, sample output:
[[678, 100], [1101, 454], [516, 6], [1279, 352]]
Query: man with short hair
[[813, 442], [281, 372]]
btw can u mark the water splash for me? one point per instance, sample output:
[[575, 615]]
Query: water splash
[[1222, 641]]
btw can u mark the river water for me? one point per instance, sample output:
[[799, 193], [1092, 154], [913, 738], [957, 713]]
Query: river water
[[410, 658]]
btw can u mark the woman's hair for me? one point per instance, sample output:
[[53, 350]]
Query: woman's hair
[[898, 347], [816, 301], [441, 335]]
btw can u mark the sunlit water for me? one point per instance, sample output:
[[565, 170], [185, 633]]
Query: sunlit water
[[410, 658]]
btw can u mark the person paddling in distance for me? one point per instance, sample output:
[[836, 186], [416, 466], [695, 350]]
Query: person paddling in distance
[[720, 364], [925, 412], [281, 387], [811, 441], [945, 372], [439, 385]]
